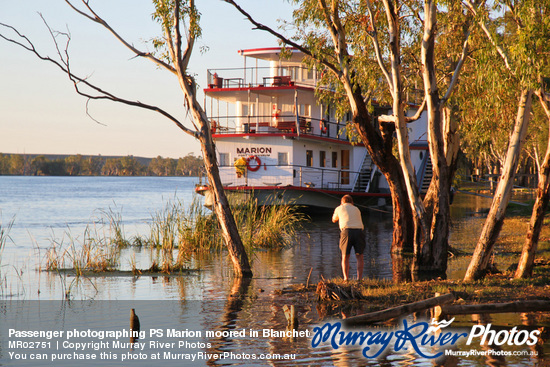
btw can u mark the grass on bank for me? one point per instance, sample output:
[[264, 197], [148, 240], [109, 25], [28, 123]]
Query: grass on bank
[[493, 288], [378, 294], [175, 233], [95, 251]]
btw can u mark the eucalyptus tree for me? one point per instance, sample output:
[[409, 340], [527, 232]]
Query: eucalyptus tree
[[527, 258], [363, 44], [536, 38], [523, 48], [444, 47], [179, 22]]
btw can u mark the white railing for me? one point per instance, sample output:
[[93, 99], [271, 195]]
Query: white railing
[[291, 175]]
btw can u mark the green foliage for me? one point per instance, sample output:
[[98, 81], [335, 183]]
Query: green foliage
[[260, 227], [164, 14], [311, 30], [266, 227], [489, 90]]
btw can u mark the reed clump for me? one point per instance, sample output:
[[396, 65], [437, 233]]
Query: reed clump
[[5, 234], [267, 227], [97, 250], [194, 229], [199, 231]]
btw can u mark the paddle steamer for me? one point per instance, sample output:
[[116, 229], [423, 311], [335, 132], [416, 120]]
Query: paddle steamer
[[277, 142]]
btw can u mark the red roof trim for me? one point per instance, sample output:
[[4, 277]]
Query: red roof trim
[[258, 88], [419, 147], [264, 49]]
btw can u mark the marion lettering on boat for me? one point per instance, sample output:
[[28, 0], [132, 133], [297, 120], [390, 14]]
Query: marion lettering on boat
[[254, 150]]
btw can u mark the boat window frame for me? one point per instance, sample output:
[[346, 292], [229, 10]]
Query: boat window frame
[[224, 159], [282, 162], [309, 158]]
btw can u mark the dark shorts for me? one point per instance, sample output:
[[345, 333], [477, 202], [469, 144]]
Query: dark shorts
[[351, 237]]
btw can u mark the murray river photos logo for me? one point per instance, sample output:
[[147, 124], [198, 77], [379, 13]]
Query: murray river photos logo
[[428, 340]]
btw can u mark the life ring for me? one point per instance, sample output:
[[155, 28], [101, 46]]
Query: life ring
[[322, 127], [258, 163]]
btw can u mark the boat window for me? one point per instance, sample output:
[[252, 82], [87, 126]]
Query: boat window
[[224, 159], [247, 110], [306, 74], [282, 159], [309, 158], [334, 159], [305, 110], [322, 158], [344, 175]]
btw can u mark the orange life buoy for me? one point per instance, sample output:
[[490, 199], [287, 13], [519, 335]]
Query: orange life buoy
[[322, 127], [258, 163]]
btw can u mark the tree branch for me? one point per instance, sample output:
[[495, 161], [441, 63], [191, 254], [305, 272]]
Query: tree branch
[[418, 113], [190, 41], [499, 49], [330, 25], [456, 72], [64, 65], [338, 35], [376, 44], [97, 19]]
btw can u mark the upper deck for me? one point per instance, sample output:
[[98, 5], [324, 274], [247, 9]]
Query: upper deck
[[268, 69], [273, 93]]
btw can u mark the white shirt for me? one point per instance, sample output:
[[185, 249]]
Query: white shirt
[[348, 216]]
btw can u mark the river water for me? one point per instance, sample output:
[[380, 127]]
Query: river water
[[57, 209]]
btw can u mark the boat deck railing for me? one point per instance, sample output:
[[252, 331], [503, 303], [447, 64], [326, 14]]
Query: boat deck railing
[[260, 77], [322, 178], [279, 124], [284, 76]]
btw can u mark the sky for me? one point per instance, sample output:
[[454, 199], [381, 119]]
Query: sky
[[40, 112]]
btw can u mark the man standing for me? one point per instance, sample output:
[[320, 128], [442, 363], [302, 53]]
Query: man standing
[[349, 219]]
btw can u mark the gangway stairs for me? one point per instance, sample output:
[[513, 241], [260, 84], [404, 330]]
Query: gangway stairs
[[364, 177], [427, 175]]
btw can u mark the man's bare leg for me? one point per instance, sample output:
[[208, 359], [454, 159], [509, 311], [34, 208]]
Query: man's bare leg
[[360, 266], [345, 266]]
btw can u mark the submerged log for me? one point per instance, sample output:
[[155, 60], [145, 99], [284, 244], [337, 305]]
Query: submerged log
[[516, 306], [394, 312]]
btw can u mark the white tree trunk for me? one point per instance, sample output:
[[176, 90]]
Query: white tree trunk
[[525, 264], [495, 219]]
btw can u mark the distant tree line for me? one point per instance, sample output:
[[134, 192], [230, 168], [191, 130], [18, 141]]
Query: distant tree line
[[78, 165]]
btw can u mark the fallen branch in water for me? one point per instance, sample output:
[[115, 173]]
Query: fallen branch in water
[[394, 312]]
